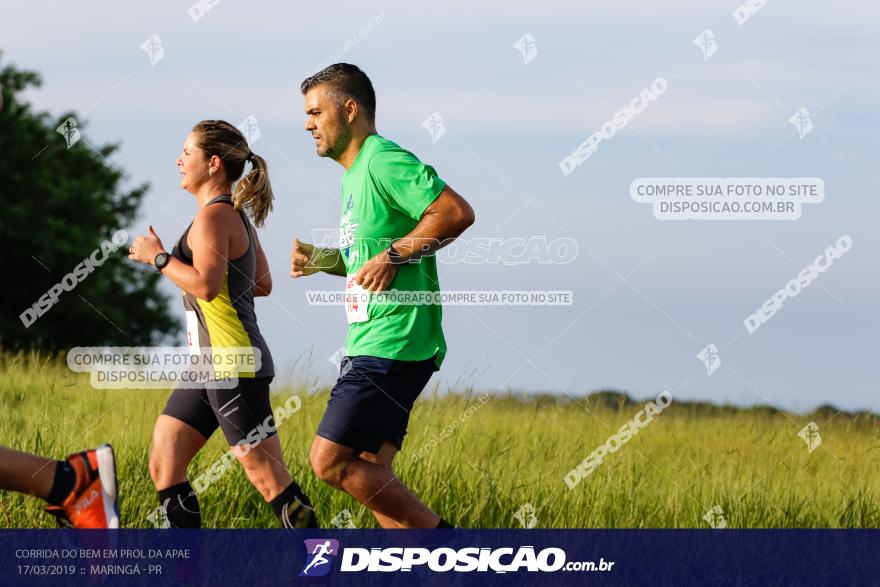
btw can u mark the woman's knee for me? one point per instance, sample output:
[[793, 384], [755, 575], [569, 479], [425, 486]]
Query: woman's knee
[[166, 468], [173, 446]]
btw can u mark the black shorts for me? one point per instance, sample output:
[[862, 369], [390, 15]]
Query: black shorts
[[371, 401], [236, 411]]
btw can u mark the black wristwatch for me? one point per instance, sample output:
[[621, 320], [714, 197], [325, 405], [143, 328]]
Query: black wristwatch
[[395, 257], [161, 260]]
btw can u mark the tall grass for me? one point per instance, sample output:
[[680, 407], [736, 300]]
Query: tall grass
[[479, 463]]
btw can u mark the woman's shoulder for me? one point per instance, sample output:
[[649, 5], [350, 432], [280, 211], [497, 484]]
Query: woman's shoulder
[[212, 214]]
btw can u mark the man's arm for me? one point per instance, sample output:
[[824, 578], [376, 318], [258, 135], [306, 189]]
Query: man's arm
[[306, 259], [442, 222]]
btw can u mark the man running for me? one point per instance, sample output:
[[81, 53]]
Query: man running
[[396, 213]]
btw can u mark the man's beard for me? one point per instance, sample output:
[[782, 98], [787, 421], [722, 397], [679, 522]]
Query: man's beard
[[341, 142]]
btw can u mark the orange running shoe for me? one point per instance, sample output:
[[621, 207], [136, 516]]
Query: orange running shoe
[[93, 501]]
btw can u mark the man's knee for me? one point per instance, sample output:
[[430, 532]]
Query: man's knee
[[331, 471], [330, 467]]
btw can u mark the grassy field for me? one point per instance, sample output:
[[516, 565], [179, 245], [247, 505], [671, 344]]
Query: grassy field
[[482, 458]]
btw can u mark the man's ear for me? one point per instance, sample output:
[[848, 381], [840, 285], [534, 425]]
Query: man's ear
[[351, 110]]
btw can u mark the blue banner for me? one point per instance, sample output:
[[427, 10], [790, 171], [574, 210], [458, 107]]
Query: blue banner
[[465, 557]]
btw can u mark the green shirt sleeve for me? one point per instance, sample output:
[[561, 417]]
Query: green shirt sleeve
[[406, 183]]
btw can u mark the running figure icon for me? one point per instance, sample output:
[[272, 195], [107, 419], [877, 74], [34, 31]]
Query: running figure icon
[[319, 553]]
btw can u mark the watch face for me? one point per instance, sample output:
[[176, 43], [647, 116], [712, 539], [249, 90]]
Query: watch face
[[161, 260], [393, 255]]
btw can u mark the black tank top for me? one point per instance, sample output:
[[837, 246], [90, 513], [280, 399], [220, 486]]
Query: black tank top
[[229, 321]]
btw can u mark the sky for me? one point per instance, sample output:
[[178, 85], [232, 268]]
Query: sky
[[648, 294]]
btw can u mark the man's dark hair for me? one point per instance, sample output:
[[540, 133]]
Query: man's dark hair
[[346, 82]]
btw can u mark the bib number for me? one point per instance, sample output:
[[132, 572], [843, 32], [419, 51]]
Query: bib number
[[357, 301], [192, 332]]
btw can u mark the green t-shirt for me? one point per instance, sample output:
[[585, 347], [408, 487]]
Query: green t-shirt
[[384, 194]]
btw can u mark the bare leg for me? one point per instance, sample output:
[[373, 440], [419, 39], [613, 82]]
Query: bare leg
[[373, 485], [174, 445], [384, 458], [26, 473], [264, 466]]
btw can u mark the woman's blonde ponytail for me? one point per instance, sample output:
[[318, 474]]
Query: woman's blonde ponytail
[[253, 192]]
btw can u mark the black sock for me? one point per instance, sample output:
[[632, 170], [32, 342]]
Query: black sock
[[444, 524], [65, 479], [293, 508], [180, 506]]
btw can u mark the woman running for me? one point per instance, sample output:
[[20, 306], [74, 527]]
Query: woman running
[[220, 266]]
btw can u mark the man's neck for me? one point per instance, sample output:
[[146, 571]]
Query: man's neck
[[347, 158]]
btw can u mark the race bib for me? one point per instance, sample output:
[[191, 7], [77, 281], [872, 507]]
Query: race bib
[[357, 301], [192, 332]]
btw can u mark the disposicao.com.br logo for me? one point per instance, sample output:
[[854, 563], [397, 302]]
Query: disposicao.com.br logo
[[322, 553]]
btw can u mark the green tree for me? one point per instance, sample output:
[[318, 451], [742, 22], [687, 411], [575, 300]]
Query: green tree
[[59, 204]]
